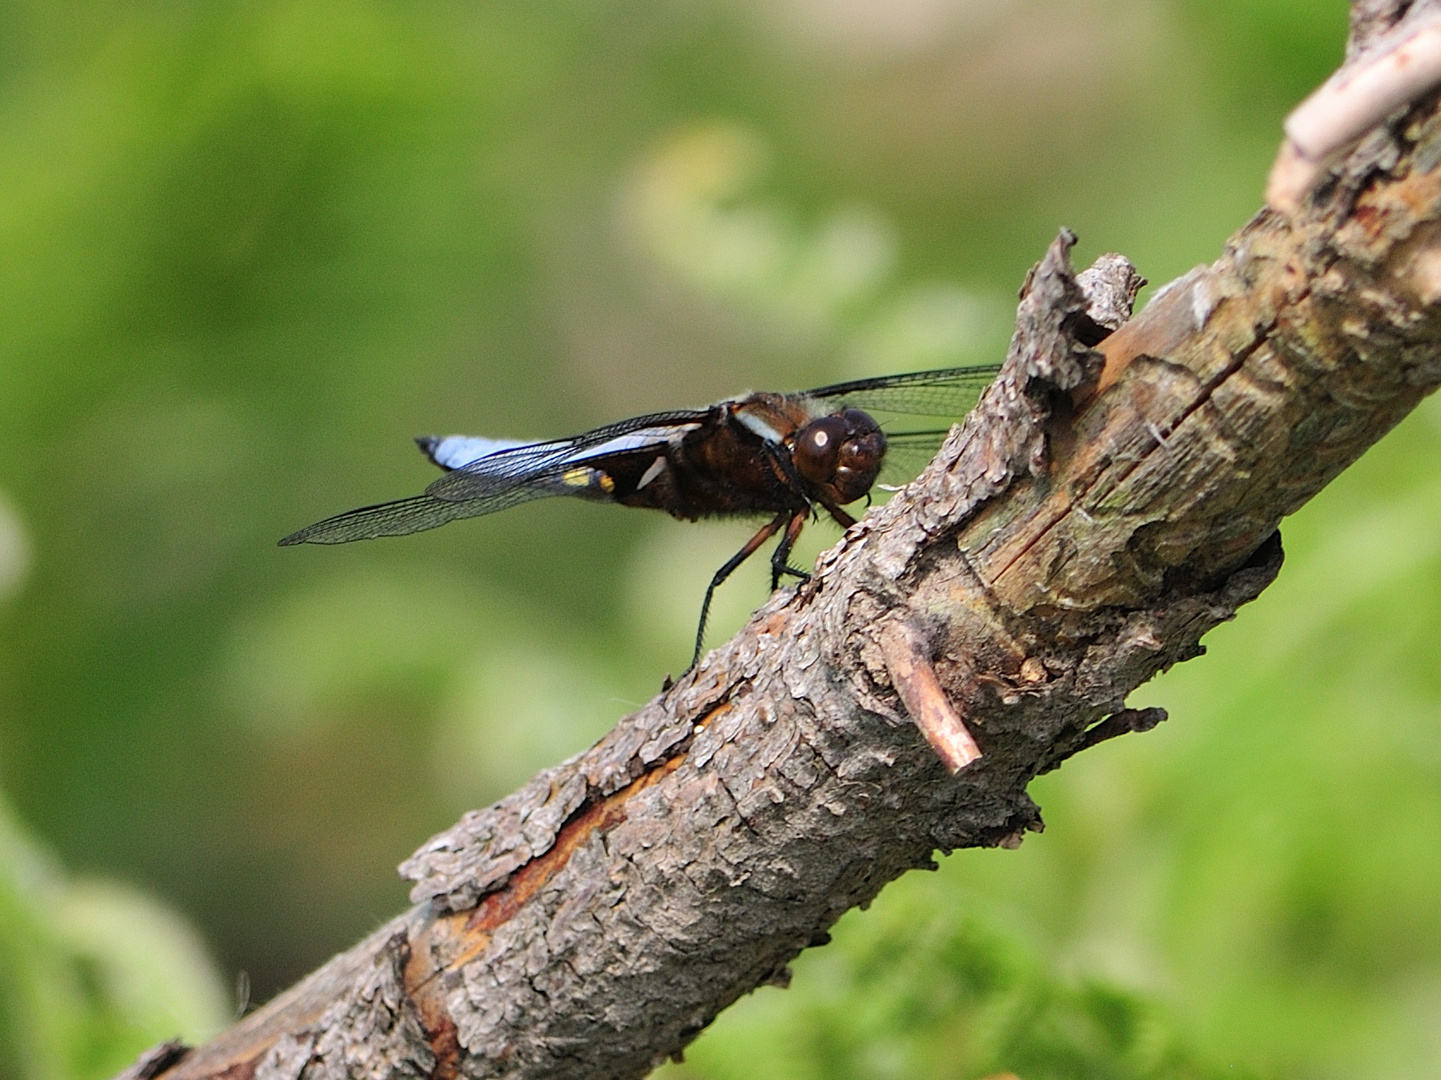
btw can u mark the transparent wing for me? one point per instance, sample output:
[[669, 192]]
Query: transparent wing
[[403, 516], [948, 392], [907, 453], [502, 479], [943, 397]]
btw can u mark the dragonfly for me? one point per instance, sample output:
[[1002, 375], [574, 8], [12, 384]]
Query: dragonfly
[[787, 457]]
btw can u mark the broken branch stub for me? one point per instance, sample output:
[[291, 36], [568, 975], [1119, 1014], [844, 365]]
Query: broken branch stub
[[1399, 61], [920, 691]]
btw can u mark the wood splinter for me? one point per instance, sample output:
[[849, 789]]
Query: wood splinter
[[914, 678], [1396, 70]]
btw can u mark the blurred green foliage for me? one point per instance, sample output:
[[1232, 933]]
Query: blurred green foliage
[[90, 971], [937, 983], [248, 250]]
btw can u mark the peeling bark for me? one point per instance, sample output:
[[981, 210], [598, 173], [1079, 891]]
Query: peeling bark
[[371, 1032], [1111, 499]]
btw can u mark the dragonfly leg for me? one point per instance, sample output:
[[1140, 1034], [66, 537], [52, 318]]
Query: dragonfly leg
[[780, 560], [766, 532]]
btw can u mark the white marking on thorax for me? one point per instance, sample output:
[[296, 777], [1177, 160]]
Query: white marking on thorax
[[757, 425], [656, 468], [634, 440]]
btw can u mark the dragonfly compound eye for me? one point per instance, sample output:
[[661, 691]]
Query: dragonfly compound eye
[[818, 447], [859, 461]]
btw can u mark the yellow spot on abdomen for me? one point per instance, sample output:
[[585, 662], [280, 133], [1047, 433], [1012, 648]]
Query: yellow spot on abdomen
[[586, 477]]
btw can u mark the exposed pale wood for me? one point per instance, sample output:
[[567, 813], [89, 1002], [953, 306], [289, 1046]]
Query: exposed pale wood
[[1099, 512], [1396, 64]]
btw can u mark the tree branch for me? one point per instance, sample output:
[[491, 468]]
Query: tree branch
[[1101, 510]]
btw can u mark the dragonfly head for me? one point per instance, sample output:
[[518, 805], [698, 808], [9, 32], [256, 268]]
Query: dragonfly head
[[841, 454]]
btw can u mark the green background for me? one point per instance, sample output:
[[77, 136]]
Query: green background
[[247, 250]]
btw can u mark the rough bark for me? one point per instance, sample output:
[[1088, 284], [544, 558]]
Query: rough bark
[[1102, 509]]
